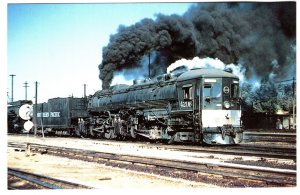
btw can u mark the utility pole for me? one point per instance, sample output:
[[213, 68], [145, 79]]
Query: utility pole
[[294, 103], [35, 108], [26, 86], [84, 90], [7, 96], [149, 66], [12, 87]]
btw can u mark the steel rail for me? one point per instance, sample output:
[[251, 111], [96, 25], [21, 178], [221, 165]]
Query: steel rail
[[44, 181], [244, 151], [236, 171], [289, 152], [278, 153]]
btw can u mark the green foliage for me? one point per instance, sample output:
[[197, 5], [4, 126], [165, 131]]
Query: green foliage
[[268, 97]]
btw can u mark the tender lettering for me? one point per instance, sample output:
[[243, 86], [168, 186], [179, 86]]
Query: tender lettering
[[48, 114], [54, 114], [45, 114]]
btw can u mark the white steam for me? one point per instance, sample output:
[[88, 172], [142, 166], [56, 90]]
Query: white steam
[[121, 79], [207, 62]]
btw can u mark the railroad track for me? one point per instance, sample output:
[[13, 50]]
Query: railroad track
[[35, 181], [250, 152], [249, 136], [269, 137], [221, 173], [242, 150]]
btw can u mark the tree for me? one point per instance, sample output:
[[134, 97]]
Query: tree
[[267, 98]]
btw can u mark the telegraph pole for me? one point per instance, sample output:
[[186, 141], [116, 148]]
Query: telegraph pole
[[7, 96], [84, 90], [149, 66], [35, 108], [26, 86], [12, 87], [294, 103]]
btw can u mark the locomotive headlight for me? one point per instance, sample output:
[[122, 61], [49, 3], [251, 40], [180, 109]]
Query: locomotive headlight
[[226, 104]]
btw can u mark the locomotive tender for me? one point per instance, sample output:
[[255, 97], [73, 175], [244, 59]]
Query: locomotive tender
[[61, 114], [200, 105]]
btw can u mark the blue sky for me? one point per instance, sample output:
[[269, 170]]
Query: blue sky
[[60, 45]]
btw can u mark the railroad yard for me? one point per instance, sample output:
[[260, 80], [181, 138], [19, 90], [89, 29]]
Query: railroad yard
[[176, 96], [264, 159]]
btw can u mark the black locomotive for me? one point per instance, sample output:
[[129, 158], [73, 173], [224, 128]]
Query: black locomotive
[[197, 106], [200, 105]]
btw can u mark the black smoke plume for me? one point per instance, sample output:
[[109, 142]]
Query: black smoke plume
[[261, 36]]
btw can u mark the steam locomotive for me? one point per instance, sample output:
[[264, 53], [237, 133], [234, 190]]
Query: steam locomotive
[[198, 106]]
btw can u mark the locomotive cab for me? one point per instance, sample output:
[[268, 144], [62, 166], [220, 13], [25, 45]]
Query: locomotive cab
[[212, 97], [221, 111]]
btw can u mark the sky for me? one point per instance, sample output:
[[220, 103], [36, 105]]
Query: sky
[[60, 45]]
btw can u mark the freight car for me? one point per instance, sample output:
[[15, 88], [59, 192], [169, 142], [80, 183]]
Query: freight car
[[14, 122], [64, 115], [200, 106]]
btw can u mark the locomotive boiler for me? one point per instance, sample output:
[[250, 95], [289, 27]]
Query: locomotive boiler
[[200, 105]]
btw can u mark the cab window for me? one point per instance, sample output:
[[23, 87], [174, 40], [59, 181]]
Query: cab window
[[187, 93], [207, 90], [234, 91], [216, 90], [212, 90]]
